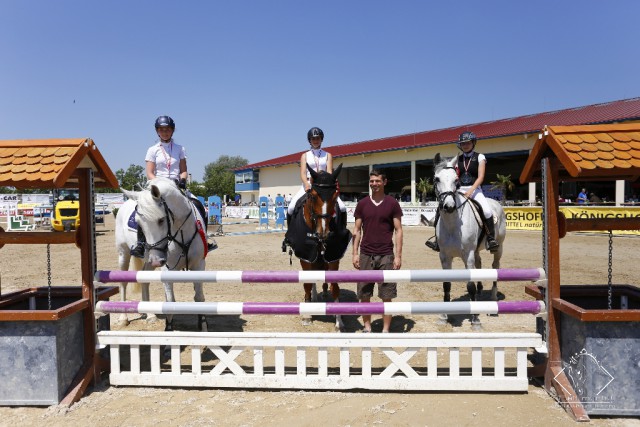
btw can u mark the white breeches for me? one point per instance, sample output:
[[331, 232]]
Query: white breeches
[[478, 196]]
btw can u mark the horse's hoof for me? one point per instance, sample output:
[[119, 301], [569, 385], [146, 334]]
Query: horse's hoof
[[151, 319], [443, 319], [306, 321], [122, 323], [477, 326]]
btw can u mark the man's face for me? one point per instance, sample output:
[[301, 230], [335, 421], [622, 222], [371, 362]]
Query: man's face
[[376, 183]]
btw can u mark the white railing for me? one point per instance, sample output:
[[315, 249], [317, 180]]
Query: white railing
[[396, 361]]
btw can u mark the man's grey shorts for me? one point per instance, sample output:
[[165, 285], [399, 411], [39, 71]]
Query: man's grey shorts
[[386, 290]]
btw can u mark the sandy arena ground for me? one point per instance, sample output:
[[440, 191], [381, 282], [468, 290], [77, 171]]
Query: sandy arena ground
[[584, 260]]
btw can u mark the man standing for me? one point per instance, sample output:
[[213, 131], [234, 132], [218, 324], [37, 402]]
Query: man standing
[[377, 217], [582, 197]]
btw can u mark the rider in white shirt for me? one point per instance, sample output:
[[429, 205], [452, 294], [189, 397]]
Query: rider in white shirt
[[318, 160], [168, 159], [471, 167]]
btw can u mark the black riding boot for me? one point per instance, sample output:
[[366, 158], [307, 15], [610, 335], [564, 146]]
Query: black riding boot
[[285, 241], [434, 244], [138, 250], [492, 244], [343, 219]]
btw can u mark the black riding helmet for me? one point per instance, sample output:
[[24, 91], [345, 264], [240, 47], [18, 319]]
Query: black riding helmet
[[467, 136], [314, 133], [164, 121]]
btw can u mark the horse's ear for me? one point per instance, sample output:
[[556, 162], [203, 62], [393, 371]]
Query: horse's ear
[[130, 194], [314, 174], [437, 159], [337, 171], [155, 191]]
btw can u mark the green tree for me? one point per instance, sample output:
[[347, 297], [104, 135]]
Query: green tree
[[7, 190], [424, 187], [504, 184], [133, 178], [219, 177]]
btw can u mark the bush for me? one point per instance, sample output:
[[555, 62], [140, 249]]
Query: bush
[[115, 212]]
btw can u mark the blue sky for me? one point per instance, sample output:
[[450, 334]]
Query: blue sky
[[249, 78]]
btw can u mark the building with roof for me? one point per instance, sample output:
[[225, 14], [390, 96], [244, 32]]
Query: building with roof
[[405, 159]]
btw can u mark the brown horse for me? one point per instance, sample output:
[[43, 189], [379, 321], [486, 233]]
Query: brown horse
[[318, 235]]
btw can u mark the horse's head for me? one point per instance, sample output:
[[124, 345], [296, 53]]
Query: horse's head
[[446, 183], [154, 216], [321, 202]]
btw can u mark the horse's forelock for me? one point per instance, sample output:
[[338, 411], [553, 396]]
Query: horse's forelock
[[149, 207], [325, 185], [443, 164]]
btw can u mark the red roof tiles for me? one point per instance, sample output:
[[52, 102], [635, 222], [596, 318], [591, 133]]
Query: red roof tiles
[[51, 163], [623, 110], [609, 151]]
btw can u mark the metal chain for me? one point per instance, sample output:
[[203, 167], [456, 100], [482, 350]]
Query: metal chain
[[610, 289], [49, 274]]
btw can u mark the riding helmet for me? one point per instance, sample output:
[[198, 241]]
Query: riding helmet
[[314, 133], [164, 121], [467, 136]]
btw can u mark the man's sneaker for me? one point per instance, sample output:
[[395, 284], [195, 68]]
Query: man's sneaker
[[433, 245], [137, 251]]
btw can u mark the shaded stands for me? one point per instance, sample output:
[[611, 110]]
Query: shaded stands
[[583, 153]]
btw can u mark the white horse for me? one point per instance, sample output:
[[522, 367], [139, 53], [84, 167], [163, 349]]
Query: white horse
[[460, 231], [175, 235]]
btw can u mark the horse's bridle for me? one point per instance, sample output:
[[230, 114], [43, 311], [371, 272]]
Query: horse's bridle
[[311, 195], [442, 196], [162, 245]]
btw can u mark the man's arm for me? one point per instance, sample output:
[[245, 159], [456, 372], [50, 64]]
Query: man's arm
[[397, 261], [357, 236]]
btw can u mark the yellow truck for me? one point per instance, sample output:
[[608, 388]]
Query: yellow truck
[[66, 213]]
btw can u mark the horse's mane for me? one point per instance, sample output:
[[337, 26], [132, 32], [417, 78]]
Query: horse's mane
[[147, 205]]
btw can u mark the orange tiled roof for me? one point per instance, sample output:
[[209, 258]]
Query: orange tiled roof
[[590, 152], [51, 163]]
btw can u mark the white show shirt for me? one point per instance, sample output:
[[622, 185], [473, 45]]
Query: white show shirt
[[166, 156]]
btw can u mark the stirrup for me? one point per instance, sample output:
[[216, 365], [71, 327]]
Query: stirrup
[[137, 251], [432, 245]]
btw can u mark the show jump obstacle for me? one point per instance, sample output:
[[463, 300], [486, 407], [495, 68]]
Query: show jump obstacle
[[278, 360]]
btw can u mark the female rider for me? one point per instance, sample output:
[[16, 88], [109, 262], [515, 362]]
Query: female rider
[[318, 160], [471, 167], [168, 159]]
